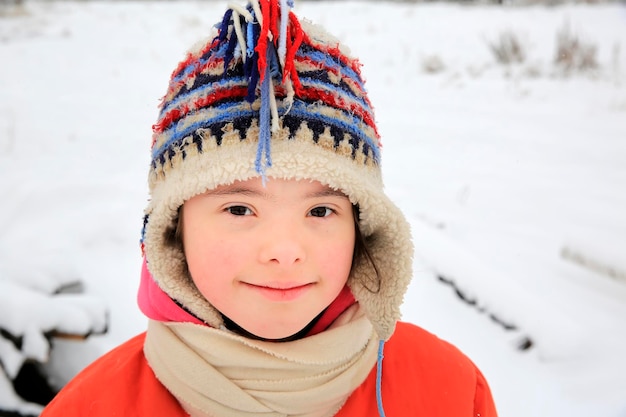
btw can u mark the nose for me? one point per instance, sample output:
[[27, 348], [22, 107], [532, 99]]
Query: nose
[[283, 244]]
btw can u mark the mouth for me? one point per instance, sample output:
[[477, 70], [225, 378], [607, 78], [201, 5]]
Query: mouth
[[281, 292]]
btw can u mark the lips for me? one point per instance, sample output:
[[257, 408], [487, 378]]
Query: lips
[[280, 292]]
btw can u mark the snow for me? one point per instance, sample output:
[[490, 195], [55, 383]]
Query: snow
[[513, 178]]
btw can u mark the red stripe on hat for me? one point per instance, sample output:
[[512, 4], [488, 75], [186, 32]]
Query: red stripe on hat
[[334, 52], [314, 94], [194, 57], [320, 65], [175, 87], [176, 114]]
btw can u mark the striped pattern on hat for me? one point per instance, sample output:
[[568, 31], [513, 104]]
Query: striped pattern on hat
[[213, 89]]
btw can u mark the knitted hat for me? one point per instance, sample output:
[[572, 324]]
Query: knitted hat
[[270, 96]]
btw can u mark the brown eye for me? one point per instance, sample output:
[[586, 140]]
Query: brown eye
[[239, 210], [320, 212]]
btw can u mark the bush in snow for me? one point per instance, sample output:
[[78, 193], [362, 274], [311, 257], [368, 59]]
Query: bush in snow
[[10, 8], [574, 54], [508, 49], [432, 64]]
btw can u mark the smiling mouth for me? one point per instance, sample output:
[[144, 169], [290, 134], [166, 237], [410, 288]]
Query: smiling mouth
[[281, 292]]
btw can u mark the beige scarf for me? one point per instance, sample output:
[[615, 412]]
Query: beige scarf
[[216, 373]]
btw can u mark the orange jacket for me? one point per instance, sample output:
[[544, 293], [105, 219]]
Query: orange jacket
[[422, 376]]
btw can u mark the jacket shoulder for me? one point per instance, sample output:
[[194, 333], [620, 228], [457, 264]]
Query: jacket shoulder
[[423, 375], [120, 383], [416, 346]]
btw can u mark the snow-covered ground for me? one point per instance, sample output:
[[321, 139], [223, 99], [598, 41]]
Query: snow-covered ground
[[513, 177]]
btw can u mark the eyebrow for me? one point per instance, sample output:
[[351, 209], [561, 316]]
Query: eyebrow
[[326, 192], [238, 190]]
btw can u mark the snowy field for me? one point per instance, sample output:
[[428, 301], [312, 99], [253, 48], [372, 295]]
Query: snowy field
[[513, 176]]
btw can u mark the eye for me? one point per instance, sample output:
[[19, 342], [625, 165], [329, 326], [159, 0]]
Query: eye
[[321, 212], [239, 210]]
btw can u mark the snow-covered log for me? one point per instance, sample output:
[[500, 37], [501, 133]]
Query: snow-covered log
[[497, 294], [32, 313]]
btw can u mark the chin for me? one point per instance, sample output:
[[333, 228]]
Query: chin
[[277, 333], [285, 334]]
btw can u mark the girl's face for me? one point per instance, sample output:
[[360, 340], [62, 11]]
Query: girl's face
[[270, 258]]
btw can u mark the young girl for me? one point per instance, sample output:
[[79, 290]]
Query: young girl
[[274, 264]]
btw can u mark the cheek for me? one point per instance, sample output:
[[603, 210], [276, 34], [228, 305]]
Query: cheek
[[207, 257], [336, 258], [213, 268], [211, 257]]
